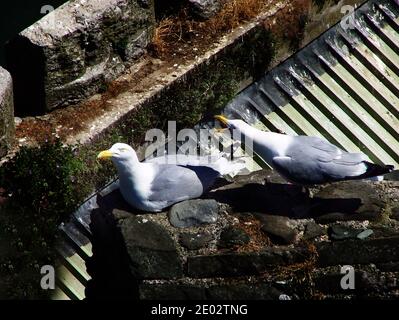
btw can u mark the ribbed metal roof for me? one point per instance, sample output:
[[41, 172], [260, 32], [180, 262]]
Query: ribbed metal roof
[[344, 86]]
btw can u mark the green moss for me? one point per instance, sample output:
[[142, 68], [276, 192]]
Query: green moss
[[40, 183]]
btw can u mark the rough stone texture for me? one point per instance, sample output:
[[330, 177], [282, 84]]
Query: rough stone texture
[[205, 9], [195, 241], [341, 232], [248, 263], [369, 282], [76, 50], [358, 251], [395, 213], [152, 251], [238, 290], [192, 213], [389, 266], [231, 237], [263, 191], [278, 228], [6, 112], [354, 200], [384, 231], [313, 230]]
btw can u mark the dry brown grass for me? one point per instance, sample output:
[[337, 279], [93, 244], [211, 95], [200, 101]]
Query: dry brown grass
[[253, 228], [182, 27]]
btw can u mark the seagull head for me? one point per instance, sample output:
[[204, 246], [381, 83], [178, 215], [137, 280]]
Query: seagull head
[[232, 124], [119, 152]]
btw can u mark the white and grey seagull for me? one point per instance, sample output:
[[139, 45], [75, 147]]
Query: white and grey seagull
[[306, 160], [156, 184]]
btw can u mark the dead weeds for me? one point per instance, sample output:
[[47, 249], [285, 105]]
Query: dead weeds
[[182, 27]]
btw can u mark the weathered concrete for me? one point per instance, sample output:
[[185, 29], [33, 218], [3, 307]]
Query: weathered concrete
[[76, 50], [6, 112]]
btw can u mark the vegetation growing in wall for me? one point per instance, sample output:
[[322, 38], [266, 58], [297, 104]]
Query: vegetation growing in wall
[[41, 186], [40, 191], [181, 27]]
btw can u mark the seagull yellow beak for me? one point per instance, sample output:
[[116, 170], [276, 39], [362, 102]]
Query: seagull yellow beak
[[222, 119], [103, 155]]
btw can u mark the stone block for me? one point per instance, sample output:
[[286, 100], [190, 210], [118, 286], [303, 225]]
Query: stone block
[[246, 263], [74, 51], [352, 252], [152, 251]]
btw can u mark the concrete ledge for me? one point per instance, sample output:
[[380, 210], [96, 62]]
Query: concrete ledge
[[75, 50], [7, 128]]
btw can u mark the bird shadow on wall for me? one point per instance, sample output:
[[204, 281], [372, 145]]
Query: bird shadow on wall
[[109, 265], [281, 199]]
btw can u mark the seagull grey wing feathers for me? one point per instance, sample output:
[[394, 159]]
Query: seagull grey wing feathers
[[297, 171], [320, 147], [313, 160], [177, 183]]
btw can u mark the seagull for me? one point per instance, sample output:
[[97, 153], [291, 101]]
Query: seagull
[[157, 184], [306, 160]]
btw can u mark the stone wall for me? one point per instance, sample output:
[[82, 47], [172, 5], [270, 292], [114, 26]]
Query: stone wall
[[74, 51], [255, 238], [6, 112]]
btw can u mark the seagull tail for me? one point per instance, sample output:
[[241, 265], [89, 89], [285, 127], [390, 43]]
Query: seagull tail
[[373, 170]]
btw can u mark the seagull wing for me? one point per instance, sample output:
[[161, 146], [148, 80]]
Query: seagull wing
[[173, 183], [310, 160]]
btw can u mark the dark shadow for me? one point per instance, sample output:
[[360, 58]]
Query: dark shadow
[[167, 8], [281, 199], [114, 200], [17, 15], [28, 77], [109, 266]]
